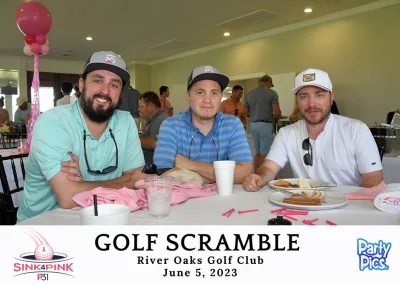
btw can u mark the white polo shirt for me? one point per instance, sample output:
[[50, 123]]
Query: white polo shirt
[[341, 153]]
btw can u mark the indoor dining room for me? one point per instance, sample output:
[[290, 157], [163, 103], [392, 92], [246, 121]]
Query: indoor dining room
[[143, 142]]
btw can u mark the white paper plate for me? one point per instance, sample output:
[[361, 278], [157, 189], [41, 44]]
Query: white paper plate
[[333, 200], [296, 181]]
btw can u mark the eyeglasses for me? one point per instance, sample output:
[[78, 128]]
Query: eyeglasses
[[215, 145], [307, 158], [236, 112], [107, 170]]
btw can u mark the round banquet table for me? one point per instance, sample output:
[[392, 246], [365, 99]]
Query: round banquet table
[[208, 211]]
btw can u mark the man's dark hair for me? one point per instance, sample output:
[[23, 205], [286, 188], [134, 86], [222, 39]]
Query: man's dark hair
[[151, 97], [77, 92], [237, 87], [66, 87], [163, 89]]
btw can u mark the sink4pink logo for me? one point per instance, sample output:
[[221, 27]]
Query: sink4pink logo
[[43, 261]]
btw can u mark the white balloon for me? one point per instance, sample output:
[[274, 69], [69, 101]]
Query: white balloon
[[27, 50]]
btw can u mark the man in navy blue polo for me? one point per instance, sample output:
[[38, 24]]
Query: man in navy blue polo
[[194, 139]]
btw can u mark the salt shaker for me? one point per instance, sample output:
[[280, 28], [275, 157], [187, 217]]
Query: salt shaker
[[279, 220]]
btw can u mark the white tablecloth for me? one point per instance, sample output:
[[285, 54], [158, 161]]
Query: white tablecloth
[[8, 152], [208, 211], [7, 165]]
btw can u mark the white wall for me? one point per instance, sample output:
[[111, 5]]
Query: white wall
[[283, 85], [360, 53]]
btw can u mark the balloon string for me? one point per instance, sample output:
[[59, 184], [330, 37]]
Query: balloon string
[[35, 107]]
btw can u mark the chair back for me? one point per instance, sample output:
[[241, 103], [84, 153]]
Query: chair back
[[381, 152], [389, 117], [12, 140], [11, 182]]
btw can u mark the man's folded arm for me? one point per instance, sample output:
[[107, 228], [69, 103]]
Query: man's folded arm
[[64, 189]]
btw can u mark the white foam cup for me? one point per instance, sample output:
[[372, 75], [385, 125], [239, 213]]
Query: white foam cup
[[224, 175]]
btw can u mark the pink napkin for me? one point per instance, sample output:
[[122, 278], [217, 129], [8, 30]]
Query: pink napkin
[[137, 199], [366, 194]]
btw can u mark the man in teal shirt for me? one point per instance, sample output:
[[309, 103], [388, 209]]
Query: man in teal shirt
[[105, 141]]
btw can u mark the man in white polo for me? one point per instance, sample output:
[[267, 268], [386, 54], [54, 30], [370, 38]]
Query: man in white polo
[[323, 146]]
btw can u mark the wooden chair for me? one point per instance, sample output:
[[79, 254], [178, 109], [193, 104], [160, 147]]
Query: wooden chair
[[8, 211]]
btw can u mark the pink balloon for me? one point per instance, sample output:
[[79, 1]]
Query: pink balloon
[[36, 48], [45, 49], [41, 39], [29, 39], [27, 50], [33, 18]]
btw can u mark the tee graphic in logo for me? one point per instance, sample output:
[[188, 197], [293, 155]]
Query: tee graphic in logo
[[43, 261]]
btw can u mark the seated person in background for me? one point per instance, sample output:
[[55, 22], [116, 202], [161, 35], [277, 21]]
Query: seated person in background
[[194, 139], [66, 89], [4, 115], [104, 140], [23, 110], [323, 146], [234, 106], [75, 96], [150, 109]]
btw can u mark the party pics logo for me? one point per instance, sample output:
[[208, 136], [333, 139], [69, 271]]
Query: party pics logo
[[43, 261], [373, 256]]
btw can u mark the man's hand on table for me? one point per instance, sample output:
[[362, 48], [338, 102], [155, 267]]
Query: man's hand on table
[[252, 183]]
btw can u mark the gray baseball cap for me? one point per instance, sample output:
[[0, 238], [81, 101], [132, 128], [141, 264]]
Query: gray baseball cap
[[207, 72], [267, 78], [110, 61]]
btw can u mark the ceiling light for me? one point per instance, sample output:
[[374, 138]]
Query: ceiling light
[[89, 38], [227, 34], [308, 10]]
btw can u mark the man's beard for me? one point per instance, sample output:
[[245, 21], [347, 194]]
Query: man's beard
[[322, 119], [206, 117], [99, 114], [203, 117]]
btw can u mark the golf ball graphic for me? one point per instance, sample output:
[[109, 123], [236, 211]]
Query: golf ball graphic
[[44, 252]]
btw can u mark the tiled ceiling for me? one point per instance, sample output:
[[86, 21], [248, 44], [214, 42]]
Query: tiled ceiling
[[151, 30]]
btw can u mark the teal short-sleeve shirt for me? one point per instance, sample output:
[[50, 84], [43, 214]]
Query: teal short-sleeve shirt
[[61, 130]]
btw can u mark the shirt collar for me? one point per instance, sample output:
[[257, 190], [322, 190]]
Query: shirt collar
[[157, 114], [328, 126], [188, 119], [112, 123]]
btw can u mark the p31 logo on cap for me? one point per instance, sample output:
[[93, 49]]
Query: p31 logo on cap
[[209, 69], [309, 77], [110, 59]]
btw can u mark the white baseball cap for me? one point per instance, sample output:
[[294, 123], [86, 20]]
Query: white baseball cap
[[312, 77]]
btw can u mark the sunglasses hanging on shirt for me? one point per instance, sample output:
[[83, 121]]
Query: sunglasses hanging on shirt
[[307, 158], [107, 170]]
